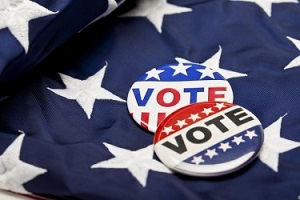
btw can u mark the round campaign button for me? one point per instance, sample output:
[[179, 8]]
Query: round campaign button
[[162, 90], [208, 139]]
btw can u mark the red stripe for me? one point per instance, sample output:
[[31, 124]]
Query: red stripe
[[184, 113], [160, 117], [145, 120]]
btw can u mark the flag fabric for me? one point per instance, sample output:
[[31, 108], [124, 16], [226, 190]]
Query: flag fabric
[[65, 129], [30, 30]]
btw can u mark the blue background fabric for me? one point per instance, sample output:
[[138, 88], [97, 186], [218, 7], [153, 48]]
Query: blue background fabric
[[236, 36]]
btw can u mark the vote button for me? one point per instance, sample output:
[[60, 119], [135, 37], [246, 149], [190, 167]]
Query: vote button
[[208, 139], [162, 90]]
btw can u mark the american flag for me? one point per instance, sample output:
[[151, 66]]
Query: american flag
[[66, 68]]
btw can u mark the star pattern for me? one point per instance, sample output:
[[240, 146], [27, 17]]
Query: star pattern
[[266, 5], [194, 117], [238, 140], [168, 130], [85, 92], [180, 72], [220, 106], [274, 145], [214, 64], [207, 111], [181, 123], [15, 172], [154, 73], [137, 162], [197, 160], [155, 10], [224, 146], [211, 153], [180, 69], [251, 134], [296, 61], [16, 14], [206, 72], [183, 71], [189, 117]]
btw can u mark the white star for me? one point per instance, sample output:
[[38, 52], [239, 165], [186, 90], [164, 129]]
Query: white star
[[220, 106], [85, 92], [296, 61], [194, 117], [137, 162], [251, 134], [180, 69], [207, 111], [181, 123], [214, 64], [155, 10], [266, 5], [154, 73], [13, 171], [224, 146], [274, 145], [168, 129], [238, 140], [197, 160], [16, 14], [211, 153], [206, 72]]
